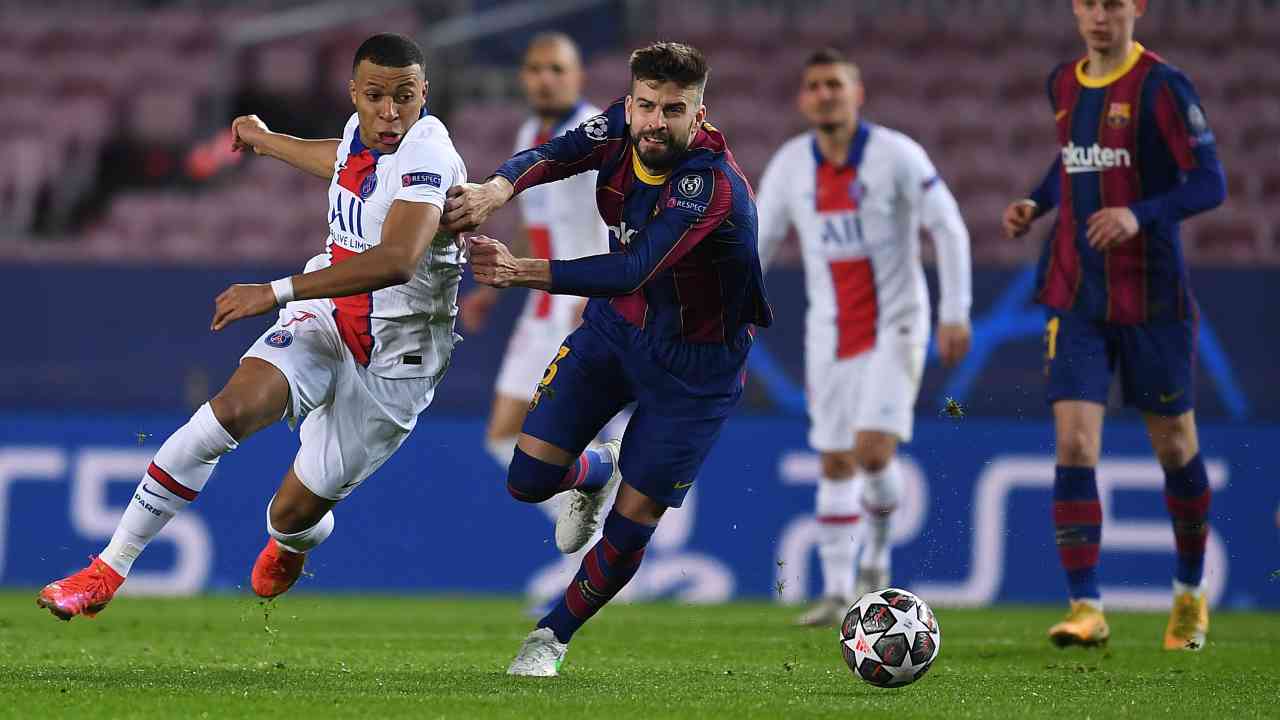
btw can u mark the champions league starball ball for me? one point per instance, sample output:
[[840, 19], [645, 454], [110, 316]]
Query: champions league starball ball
[[890, 638]]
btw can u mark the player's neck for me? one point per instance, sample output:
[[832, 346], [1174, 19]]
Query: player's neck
[[834, 143], [1102, 63]]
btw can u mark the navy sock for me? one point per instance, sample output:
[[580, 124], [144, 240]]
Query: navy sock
[[1077, 523], [589, 472], [531, 480], [1186, 494], [606, 568]]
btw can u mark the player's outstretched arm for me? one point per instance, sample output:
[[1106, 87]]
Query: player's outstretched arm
[[316, 157], [407, 233], [941, 215]]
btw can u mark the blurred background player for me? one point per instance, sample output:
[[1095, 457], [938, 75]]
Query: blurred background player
[[858, 195], [673, 312], [356, 370], [559, 221], [1137, 158]]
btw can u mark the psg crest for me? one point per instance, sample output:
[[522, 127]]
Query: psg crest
[[369, 184], [280, 339]]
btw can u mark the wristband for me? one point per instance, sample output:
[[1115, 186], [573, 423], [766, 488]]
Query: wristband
[[283, 290]]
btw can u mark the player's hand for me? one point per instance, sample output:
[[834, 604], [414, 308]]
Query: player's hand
[[241, 301], [1110, 226], [469, 204], [491, 262], [953, 342], [474, 309], [1018, 218], [248, 132]]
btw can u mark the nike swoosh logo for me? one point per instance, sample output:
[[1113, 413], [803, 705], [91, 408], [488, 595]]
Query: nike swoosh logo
[[1170, 397], [681, 486], [149, 491], [1060, 114]]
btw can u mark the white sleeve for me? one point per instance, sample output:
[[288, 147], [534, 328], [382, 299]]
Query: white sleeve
[[426, 170], [940, 215], [773, 215]]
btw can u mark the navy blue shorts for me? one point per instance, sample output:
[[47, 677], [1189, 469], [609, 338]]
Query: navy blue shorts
[[1155, 362], [683, 394]]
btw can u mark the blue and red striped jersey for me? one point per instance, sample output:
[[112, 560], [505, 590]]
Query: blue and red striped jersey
[[682, 262], [1137, 138]]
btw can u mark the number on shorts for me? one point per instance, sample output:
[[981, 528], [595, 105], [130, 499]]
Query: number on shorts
[[553, 368], [1051, 338]]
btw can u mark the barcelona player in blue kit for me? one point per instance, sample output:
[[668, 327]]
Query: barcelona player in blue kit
[[674, 306], [1137, 158]]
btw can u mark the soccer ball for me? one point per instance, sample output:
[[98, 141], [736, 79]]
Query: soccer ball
[[890, 638]]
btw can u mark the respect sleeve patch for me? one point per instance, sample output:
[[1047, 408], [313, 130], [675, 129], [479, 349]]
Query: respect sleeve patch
[[420, 178]]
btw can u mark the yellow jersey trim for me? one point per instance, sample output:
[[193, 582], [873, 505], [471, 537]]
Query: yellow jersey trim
[[643, 174], [1096, 82]]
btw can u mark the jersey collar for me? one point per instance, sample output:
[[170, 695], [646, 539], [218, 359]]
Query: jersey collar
[[857, 147], [1135, 54], [642, 173]]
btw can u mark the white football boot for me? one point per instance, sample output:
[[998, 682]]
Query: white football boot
[[827, 612], [582, 512], [540, 655]]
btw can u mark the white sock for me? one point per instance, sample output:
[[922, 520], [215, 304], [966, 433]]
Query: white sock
[[838, 512], [303, 540], [1181, 587], [501, 449], [175, 477], [880, 496]]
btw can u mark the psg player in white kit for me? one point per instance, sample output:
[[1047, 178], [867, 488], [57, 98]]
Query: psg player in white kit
[[858, 196], [354, 370], [560, 222]]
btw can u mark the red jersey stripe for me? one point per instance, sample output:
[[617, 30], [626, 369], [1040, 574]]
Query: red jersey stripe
[[352, 315], [856, 306]]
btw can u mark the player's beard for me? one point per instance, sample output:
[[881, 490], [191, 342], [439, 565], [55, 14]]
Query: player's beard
[[660, 160]]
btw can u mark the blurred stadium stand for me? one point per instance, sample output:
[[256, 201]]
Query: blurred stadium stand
[[115, 120]]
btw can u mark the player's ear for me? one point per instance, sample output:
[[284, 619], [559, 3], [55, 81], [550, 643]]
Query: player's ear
[[351, 88], [1140, 8], [626, 105], [700, 116]]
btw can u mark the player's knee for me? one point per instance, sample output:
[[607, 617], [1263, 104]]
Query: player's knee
[[531, 480], [1175, 451], [873, 454], [838, 465], [238, 414], [1078, 448], [289, 516]]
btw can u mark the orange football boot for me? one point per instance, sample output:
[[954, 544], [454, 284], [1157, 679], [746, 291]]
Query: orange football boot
[[1084, 625], [1188, 623], [276, 570], [84, 593]]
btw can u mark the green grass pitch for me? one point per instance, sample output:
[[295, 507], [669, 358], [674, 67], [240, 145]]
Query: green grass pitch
[[315, 656]]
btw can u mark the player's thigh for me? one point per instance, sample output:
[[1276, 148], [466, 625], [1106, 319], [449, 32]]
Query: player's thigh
[[888, 389], [580, 390], [832, 391], [306, 349], [506, 416], [1079, 359], [348, 439], [1157, 366], [667, 441]]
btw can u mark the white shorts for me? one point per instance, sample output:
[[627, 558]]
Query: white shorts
[[533, 345], [352, 420], [875, 390]]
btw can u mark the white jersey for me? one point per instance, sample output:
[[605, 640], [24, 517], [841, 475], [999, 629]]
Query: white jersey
[[859, 227], [403, 331], [560, 218]]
